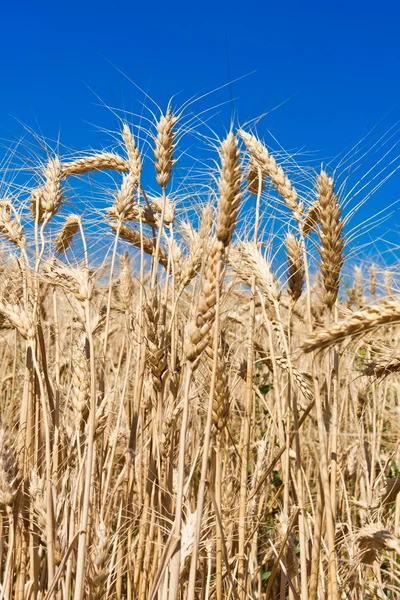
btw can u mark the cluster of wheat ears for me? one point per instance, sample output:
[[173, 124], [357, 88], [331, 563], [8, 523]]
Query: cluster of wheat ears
[[180, 422]]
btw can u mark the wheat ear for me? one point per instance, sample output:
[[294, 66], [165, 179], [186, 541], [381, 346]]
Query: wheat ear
[[164, 148], [311, 218], [133, 237], [372, 280], [67, 233], [229, 189], [254, 174], [272, 170], [10, 226], [296, 267], [331, 237], [135, 163], [358, 323], [96, 162]]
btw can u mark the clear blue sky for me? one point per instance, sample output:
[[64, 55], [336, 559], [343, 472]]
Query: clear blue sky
[[334, 65]]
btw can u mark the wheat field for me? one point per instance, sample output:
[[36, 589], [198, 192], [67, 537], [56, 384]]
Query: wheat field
[[197, 399]]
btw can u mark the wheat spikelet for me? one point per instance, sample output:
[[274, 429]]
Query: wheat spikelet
[[36, 204], [80, 385], [134, 238], [190, 267], [388, 493], [272, 170], [358, 323], [157, 204], [11, 227], [126, 287], [253, 178], [156, 352], [372, 539], [383, 369], [331, 236], [359, 285], [311, 218], [77, 281], [351, 294], [372, 280], [9, 478], [229, 189], [198, 330], [99, 557], [96, 162], [37, 493], [20, 319], [125, 197], [296, 267], [221, 390], [135, 164], [67, 233], [164, 148], [51, 197], [246, 261], [388, 283]]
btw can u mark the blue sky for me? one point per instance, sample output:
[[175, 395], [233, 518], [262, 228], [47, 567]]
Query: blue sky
[[332, 67]]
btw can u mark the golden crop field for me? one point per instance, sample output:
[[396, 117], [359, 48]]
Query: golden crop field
[[199, 379]]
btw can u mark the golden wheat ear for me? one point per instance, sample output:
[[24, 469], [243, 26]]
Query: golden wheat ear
[[64, 238], [272, 170], [164, 148], [331, 238], [296, 267]]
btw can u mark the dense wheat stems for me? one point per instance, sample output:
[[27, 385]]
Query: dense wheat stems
[[177, 433]]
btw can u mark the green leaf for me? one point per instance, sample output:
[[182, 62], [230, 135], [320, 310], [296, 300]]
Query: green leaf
[[265, 388]]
